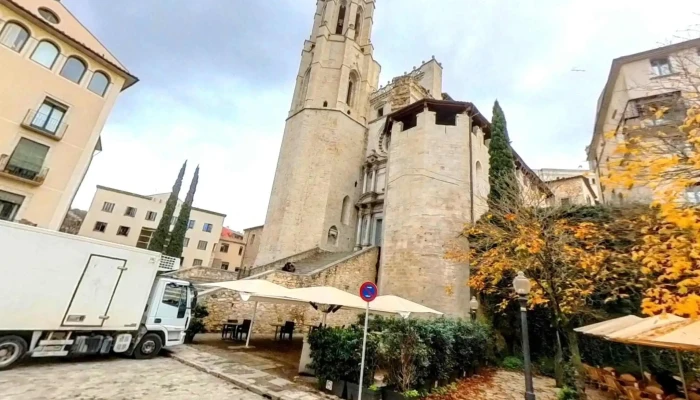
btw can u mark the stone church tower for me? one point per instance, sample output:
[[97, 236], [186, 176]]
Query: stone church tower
[[317, 184]]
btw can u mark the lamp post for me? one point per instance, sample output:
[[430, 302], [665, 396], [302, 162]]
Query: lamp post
[[473, 306], [522, 288]]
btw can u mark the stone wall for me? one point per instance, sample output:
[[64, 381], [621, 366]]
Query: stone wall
[[204, 274], [347, 274], [426, 206]]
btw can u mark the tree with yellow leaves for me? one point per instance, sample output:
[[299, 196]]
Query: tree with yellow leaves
[[577, 258], [657, 153]]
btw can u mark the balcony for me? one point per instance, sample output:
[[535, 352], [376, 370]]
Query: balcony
[[44, 124], [32, 176]]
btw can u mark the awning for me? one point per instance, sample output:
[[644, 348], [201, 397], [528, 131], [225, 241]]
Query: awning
[[400, 305], [606, 327]]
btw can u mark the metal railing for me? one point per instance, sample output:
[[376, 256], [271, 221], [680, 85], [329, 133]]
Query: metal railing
[[35, 176], [44, 124]]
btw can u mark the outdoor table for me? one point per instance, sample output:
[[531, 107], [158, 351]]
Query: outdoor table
[[277, 328], [231, 327]]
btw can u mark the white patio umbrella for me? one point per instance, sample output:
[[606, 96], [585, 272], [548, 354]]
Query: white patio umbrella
[[609, 326], [332, 297], [400, 305], [254, 290]]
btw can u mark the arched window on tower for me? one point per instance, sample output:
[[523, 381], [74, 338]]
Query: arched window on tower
[[341, 19], [333, 236], [346, 211], [352, 88], [304, 89], [358, 24]]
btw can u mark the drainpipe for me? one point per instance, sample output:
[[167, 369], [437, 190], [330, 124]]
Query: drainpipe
[[471, 172]]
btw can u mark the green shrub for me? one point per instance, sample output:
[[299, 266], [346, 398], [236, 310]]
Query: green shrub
[[472, 345], [197, 324], [545, 366], [567, 393], [512, 363], [337, 354]]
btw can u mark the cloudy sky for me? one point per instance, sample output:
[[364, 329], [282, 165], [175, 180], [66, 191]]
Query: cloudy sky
[[217, 79]]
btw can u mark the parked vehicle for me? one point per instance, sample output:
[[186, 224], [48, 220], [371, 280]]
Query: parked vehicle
[[65, 295]]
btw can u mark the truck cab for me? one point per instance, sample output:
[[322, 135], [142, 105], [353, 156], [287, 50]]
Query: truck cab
[[169, 310]]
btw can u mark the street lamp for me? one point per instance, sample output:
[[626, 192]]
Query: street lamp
[[522, 288], [473, 306]]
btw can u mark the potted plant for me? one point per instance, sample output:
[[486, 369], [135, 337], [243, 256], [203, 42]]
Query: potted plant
[[197, 324], [369, 393]]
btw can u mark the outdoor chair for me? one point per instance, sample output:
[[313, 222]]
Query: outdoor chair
[[633, 393], [243, 329], [287, 329], [615, 387], [228, 329], [592, 376]]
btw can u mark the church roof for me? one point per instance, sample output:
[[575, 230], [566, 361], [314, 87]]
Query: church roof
[[445, 105], [69, 29]]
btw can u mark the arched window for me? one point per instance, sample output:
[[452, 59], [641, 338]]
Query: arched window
[[346, 211], [99, 83], [352, 87], [358, 24], [341, 19], [73, 69], [49, 15], [304, 89], [45, 54], [333, 236], [14, 36]]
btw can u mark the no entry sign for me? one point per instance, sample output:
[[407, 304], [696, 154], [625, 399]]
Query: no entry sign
[[368, 291]]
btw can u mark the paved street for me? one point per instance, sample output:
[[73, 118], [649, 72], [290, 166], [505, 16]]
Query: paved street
[[115, 379]]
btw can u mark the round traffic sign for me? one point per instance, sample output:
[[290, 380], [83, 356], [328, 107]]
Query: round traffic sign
[[368, 291]]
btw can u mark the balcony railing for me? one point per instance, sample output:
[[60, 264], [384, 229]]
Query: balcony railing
[[44, 124], [32, 176]]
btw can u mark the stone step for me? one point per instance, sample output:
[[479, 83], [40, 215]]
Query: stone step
[[319, 261]]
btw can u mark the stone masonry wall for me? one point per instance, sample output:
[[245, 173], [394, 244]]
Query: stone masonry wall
[[347, 274], [427, 205]]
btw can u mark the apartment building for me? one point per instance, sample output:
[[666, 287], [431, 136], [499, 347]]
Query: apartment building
[[57, 88], [637, 85], [131, 219], [228, 253]]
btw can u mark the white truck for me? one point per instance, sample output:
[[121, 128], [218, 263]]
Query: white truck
[[66, 295]]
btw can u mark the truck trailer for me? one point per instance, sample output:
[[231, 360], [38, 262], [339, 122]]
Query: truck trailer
[[66, 295]]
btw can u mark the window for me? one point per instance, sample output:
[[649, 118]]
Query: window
[[341, 19], [240, 250], [108, 207], [352, 87], [49, 15], [49, 117], [614, 114], [14, 36], [100, 227], [99, 83], [27, 160], [565, 201], [186, 242], [304, 88], [252, 239], [145, 238], [175, 295], [151, 216], [345, 211], [123, 231], [207, 227], [660, 67], [224, 248], [197, 262], [333, 236], [380, 111], [9, 205], [224, 266], [45, 54], [692, 194], [73, 70], [130, 212], [358, 24], [202, 245], [190, 224]]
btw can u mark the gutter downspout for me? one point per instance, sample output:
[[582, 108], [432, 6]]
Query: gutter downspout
[[471, 172]]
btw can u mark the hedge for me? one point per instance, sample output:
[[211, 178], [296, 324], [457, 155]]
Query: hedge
[[416, 354]]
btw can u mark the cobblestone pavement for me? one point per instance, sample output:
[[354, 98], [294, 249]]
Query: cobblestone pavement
[[115, 379]]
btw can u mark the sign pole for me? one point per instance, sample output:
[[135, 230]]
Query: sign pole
[[364, 347], [368, 292]]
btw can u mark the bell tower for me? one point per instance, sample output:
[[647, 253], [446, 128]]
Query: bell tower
[[317, 182]]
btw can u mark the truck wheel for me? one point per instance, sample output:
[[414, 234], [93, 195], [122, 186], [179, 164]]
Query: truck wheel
[[148, 347], [12, 349]]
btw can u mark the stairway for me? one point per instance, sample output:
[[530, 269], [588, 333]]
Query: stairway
[[317, 261]]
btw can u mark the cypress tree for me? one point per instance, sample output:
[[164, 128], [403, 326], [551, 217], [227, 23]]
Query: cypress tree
[[177, 237], [160, 236], [504, 185]]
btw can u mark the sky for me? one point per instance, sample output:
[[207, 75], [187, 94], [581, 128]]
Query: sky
[[217, 78]]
